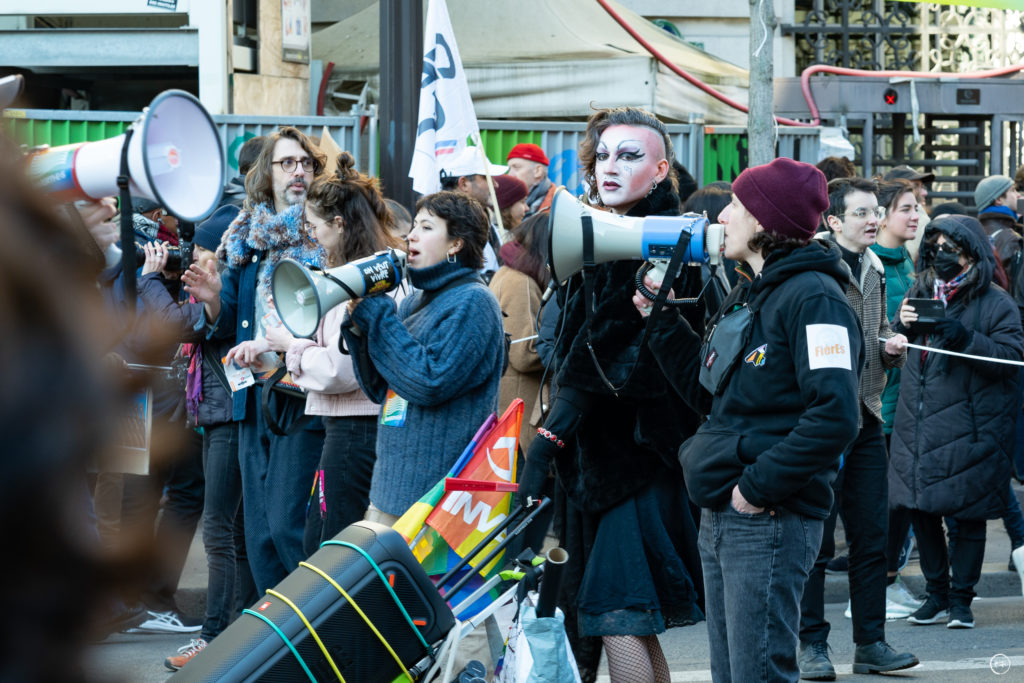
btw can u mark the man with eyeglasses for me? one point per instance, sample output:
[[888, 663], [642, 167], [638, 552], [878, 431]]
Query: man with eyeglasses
[[276, 467], [861, 486]]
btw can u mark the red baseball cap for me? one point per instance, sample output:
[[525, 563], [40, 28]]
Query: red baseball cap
[[530, 152]]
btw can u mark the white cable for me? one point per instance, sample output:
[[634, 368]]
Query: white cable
[[931, 349], [516, 341], [764, 28]]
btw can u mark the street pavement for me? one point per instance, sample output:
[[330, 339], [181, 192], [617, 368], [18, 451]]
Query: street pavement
[[993, 651]]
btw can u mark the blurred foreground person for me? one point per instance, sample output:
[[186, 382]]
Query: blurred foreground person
[[952, 444], [58, 412], [778, 378]]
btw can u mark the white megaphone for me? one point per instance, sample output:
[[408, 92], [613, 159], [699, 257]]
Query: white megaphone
[[302, 295], [175, 158], [621, 238]]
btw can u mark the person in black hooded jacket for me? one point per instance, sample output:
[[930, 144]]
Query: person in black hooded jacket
[[778, 378], [952, 443], [633, 566]]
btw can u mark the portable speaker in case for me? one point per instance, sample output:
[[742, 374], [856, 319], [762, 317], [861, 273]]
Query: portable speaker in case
[[374, 566]]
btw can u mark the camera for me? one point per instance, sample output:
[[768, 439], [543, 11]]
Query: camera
[[174, 260]]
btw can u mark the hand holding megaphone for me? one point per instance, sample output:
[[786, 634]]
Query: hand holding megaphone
[[579, 233], [303, 295]]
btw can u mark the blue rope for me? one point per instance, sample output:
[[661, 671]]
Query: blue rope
[[386, 585], [286, 642]]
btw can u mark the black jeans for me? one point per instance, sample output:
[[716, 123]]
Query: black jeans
[[862, 493], [346, 468], [229, 584], [964, 556]]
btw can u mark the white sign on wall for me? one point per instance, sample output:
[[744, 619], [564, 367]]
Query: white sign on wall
[[295, 31]]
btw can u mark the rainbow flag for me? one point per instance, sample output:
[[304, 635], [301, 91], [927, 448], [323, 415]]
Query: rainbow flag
[[441, 526], [464, 518]]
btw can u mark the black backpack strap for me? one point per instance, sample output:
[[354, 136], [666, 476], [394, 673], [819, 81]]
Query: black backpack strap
[[272, 424]]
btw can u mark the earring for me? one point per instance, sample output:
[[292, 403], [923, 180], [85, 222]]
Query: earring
[[451, 258], [654, 184]]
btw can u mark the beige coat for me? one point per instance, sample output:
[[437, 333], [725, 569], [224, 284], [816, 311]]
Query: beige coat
[[519, 297]]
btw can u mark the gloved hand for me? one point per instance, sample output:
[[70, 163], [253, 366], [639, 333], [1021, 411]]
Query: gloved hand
[[954, 335], [535, 471]]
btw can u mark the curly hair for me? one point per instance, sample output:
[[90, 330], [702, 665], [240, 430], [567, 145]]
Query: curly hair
[[357, 199], [770, 244], [601, 120], [465, 219], [259, 181]]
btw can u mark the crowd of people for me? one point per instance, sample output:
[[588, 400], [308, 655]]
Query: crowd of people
[[699, 456]]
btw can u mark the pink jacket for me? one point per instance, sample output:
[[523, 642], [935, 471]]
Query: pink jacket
[[328, 375]]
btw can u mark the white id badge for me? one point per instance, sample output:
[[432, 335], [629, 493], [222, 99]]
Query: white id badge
[[238, 377]]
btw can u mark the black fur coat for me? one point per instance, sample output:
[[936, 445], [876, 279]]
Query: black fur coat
[[629, 438]]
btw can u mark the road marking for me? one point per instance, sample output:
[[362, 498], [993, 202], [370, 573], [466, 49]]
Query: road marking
[[1015, 662]]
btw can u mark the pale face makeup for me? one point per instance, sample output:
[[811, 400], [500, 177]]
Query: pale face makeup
[[629, 161]]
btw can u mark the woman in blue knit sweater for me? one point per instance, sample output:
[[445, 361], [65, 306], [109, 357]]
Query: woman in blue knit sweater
[[434, 361]]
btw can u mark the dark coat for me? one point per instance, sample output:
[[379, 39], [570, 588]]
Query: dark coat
[[788, 404], [625, 440], [952, 443]]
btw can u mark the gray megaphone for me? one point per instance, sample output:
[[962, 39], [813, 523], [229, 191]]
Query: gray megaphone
[[623, 238], [175, 158], [303, 295]]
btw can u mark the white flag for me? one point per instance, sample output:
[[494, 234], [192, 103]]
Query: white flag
[[446, 117]]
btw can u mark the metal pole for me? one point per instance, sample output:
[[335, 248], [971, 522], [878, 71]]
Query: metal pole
[[401, 63]]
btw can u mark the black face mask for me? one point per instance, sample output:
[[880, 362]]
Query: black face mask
[[947, 266]]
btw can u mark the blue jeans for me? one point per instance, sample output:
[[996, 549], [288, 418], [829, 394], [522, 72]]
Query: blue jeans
[[755, 567], [276, 474], [229, 581]]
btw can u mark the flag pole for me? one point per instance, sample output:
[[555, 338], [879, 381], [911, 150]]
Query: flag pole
[[490, 186]]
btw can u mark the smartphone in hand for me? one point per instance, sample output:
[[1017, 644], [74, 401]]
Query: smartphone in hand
[[929, 313]]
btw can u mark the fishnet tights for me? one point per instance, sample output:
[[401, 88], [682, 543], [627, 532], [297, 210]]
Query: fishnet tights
[[636, 659]]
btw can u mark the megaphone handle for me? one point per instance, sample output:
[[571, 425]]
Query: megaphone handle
[[128, 263]]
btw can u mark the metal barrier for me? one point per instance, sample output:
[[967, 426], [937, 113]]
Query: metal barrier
[[725, 149], [54, 127], [710, 153]]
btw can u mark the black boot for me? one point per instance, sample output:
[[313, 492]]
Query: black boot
[[879, 657]]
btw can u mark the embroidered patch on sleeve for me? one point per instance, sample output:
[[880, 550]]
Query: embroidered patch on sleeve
[[756, 357], [828, 346]]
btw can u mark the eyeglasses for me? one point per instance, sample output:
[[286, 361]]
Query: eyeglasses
[[949, 248], [862, 213], [288, 165]]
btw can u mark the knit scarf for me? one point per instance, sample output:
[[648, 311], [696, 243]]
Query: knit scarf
[[946, 290], [279, 235]]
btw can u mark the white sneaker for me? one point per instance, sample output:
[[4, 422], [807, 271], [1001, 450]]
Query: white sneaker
[[848, 614], [1018, 562], [166, 622], [898, 594]]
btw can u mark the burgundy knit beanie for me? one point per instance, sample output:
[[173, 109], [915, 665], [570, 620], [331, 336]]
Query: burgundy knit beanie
[[509, 190], [786, 197]]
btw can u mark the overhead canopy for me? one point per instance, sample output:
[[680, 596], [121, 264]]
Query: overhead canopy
[[552, 59]]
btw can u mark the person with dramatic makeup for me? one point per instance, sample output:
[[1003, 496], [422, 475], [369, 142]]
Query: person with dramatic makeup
[[633, 565], [952, 444]]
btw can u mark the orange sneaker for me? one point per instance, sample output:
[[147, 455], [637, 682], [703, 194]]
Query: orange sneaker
[[185, 654]]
